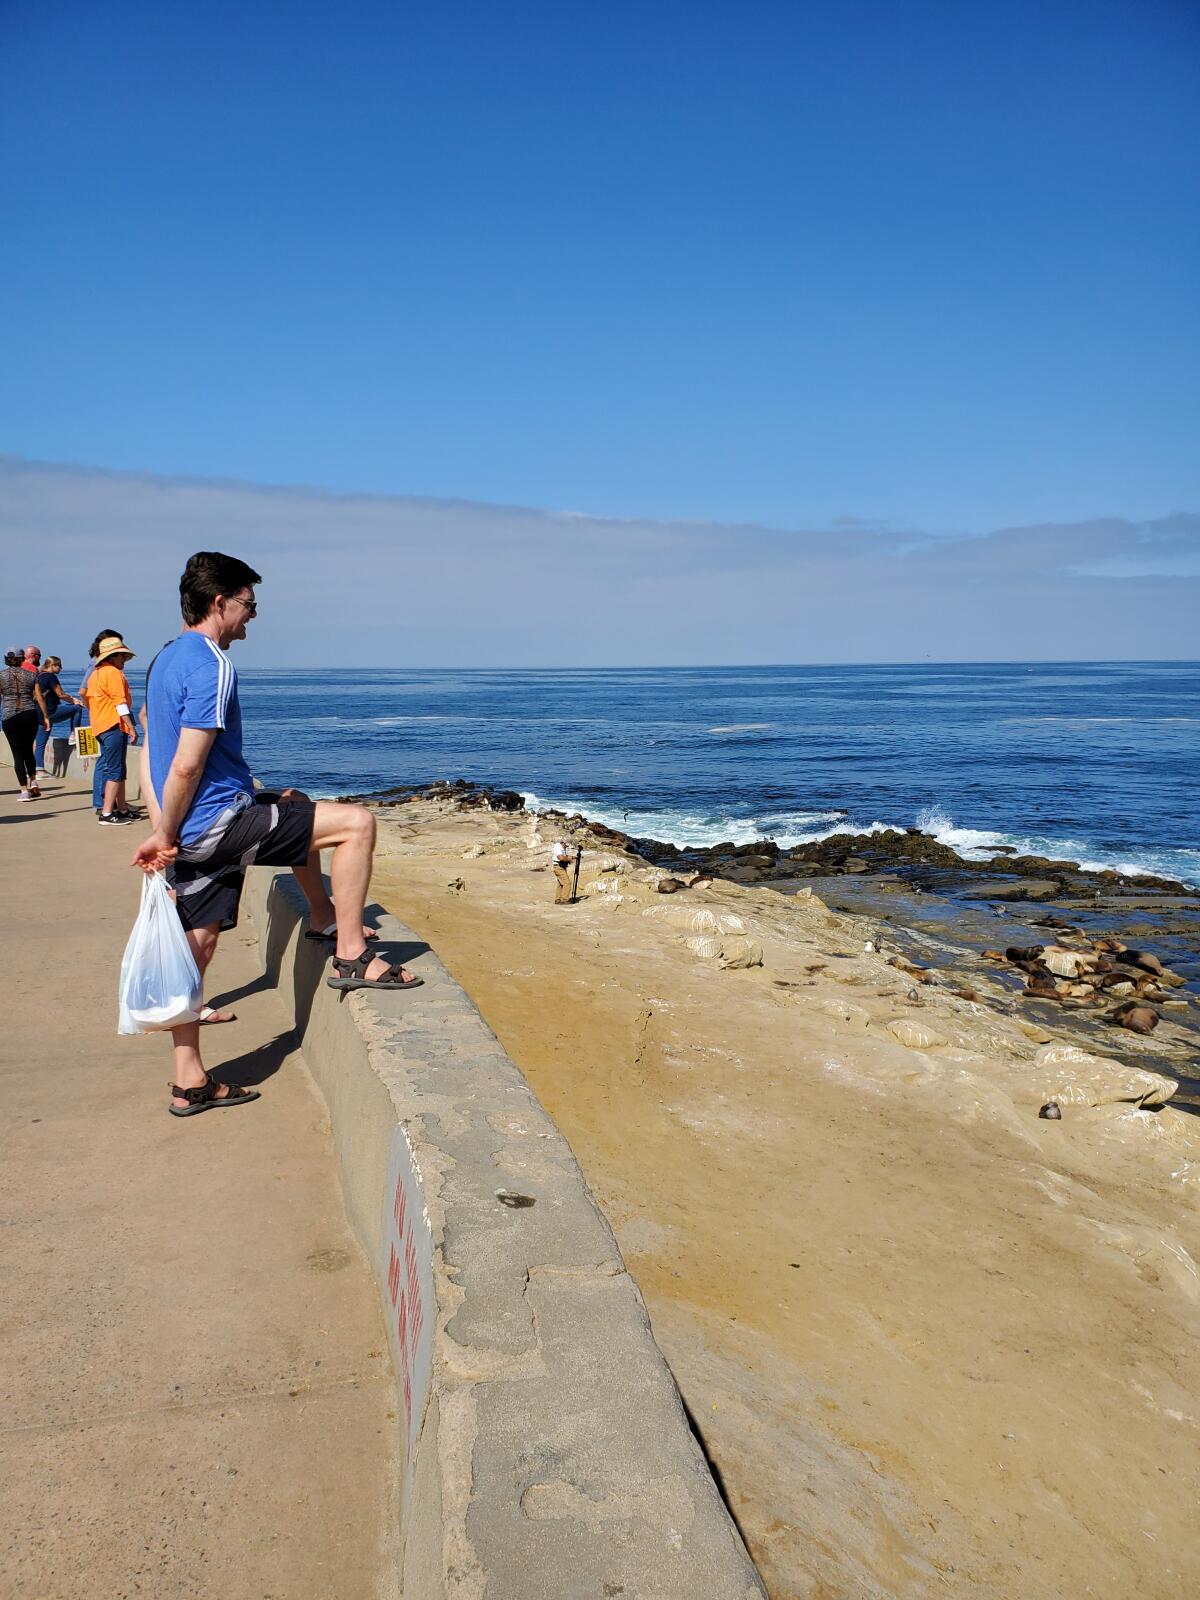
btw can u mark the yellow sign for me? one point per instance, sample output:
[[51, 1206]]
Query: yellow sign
[[86, 743]]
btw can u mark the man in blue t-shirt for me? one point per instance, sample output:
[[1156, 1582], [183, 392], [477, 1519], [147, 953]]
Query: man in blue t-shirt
[[210, 823]]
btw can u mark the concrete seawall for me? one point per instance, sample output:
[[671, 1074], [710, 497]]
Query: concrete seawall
[[546, 1450]]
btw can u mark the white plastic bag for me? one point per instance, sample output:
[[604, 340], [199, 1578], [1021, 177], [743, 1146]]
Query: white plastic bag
[[160, 983]]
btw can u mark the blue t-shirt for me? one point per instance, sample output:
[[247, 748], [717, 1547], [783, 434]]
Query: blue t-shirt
[[192, 684]]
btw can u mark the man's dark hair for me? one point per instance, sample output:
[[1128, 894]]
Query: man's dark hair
[[207, 575]]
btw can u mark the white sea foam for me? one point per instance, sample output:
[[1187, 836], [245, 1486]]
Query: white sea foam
[[694, 829], [978, 844], [700, 829], [741, 727]]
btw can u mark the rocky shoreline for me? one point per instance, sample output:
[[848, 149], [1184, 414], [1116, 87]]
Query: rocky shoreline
[[1004, 924], [909, 851]]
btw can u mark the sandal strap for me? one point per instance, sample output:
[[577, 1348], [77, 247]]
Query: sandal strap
[[197, 1096], [354, 967], [204, 1092]]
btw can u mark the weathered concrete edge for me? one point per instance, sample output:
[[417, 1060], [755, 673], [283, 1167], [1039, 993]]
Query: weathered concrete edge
[[555, 1458]]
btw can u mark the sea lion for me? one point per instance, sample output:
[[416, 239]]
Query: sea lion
[[1138, 1019], [669, 886], [1018, 953], [1051, 1111], [1142, 959], [993, 955], [1117, 983], [1041, 986]]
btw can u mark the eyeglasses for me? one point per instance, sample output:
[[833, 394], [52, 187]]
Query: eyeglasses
[[250, 607]]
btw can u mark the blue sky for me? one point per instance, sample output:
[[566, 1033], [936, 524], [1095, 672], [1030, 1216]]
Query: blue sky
[[928, 266]]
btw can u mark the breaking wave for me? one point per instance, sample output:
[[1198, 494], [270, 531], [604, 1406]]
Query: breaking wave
[[978, 844], [698, 829]]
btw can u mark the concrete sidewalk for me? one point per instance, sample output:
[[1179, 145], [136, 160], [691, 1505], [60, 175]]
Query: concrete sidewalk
[[195, 1393]]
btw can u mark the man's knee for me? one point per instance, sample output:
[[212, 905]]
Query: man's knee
[[336, 823], [361, 825]]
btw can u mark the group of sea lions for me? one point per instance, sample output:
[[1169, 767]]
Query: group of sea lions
[[1095, 973]]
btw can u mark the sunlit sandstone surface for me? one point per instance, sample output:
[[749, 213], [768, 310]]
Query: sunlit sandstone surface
[[932, 1342]]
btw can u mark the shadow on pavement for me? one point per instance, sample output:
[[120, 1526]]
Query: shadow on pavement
[[256, 1066]]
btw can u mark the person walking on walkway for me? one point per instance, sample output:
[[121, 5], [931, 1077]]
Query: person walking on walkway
[[209, 823], [112, 722], [22, 711]]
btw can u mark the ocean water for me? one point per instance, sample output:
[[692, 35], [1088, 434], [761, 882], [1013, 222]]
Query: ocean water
[[1098, 763]]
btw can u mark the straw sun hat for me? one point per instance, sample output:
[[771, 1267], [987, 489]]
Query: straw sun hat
[[112, 645]]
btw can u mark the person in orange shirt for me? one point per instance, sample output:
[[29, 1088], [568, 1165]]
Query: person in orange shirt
[[109, 703]]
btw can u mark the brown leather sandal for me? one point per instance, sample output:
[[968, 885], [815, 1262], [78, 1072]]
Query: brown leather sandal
[[352, 975], [205, 1097]]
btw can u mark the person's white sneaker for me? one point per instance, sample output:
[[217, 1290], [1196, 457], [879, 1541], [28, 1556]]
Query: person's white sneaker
[[24, 795]]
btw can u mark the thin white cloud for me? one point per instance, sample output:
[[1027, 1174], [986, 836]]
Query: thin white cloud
[[376, 580]]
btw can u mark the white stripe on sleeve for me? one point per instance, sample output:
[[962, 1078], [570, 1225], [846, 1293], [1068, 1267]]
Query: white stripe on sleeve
[[224, 680]]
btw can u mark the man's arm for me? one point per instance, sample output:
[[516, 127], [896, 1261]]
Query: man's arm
[[147, 782], [187, 768]]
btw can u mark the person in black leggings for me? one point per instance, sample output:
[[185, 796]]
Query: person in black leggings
[[22, 713]]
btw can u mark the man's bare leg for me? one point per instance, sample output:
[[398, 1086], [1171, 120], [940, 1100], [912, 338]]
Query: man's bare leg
[[185, 1040], [320, 907], [321, 911], [351, 832]]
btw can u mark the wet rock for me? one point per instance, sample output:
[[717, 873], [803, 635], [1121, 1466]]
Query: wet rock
[[1035, 889]]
